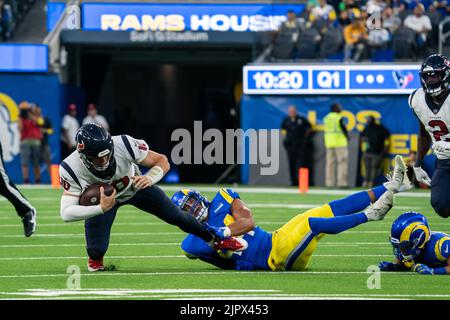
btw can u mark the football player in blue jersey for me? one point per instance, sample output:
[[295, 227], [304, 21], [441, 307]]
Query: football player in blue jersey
[[416, 247], [291, 246]]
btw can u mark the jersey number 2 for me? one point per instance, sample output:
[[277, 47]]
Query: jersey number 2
[[441, 130]]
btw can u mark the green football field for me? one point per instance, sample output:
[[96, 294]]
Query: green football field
[[150, 264]]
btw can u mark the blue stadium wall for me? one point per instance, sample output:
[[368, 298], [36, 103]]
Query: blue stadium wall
[[267, 112], [44, 90]]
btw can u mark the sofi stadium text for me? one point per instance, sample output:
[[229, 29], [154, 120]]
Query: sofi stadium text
[[230, 310]]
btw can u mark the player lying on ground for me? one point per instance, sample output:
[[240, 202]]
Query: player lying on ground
[[291, 246], [115, 160], [416, 248]]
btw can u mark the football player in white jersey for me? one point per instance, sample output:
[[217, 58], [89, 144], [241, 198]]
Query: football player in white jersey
[[115, 160], [431, 106]]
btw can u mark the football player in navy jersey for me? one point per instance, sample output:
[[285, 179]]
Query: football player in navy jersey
[[115, 160], [431, 105], [291, 246]]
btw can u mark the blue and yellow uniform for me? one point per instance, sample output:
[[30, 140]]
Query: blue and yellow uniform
[[436, 251], [288, 248]]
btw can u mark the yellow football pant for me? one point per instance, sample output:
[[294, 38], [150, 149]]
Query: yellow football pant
[[294, 243]]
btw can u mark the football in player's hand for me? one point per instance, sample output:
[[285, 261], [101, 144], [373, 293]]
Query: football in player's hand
[[91, 196]]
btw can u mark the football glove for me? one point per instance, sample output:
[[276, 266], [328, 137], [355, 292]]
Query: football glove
[[218, 232], [389, 266], [441, 149], [422, 269], [422, 175]]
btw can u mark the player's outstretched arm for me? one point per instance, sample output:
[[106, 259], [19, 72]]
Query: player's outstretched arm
[[159, 166], [395, 266], [71, 211], [424, 269]]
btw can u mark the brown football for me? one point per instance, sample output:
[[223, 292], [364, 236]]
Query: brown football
[[91, 196]]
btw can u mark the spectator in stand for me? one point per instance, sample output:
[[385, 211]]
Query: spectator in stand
[[45, 154], [322, 16], [375, 6], [391, 21], [421, 24], [378, 37], [348, 9], [355, 36], [94, 117], [69, 128], [442, 6], [375, 145], [30, 142], [323, 11]]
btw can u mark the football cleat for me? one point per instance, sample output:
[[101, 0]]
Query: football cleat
[[379, 209], [232, 244], [398, 181], [29, 222], [95, 265]]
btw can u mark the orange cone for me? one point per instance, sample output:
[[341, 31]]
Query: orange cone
[[54, 175], [303, 180]]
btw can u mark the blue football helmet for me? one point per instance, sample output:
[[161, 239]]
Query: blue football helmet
[[435, 74], [96, 149], [192, 202], [409, 235]]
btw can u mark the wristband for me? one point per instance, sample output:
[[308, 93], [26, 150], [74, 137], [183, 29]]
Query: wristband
[[155, 174]]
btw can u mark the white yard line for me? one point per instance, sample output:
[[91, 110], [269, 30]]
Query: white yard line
[[178, 256], [264, 190], [190, 273], [322, 244]]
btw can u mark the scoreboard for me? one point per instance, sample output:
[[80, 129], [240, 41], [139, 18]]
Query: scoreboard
[[366, 79]]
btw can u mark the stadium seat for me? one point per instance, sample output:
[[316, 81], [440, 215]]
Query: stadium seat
[[404, 43], [307, 44], [332, 42], [433, 36], [283, 47], [403, 14]]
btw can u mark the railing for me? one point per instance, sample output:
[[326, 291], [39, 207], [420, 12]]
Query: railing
[[443, 36], [70, 19]]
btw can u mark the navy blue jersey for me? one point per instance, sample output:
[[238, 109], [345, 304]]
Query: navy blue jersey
[[219, 214]]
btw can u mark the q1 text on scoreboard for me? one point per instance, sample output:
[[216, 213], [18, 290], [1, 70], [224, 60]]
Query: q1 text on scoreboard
[[370, 79]]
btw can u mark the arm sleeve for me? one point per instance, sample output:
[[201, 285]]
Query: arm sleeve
[[68, 183], [444, 249], [71, 211], [410, 99], [196, 248], [138, 148], [228, 195]]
